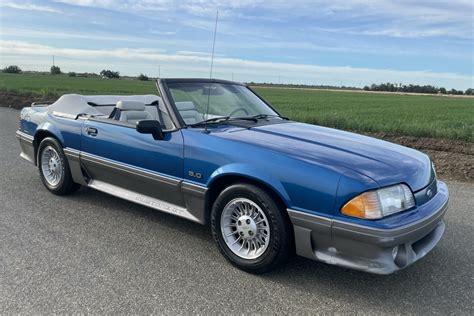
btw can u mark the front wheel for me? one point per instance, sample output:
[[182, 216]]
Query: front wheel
[[250, 228], [54, 168]]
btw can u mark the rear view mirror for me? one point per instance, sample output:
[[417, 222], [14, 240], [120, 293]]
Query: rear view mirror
[[212, 90], [152, 127]]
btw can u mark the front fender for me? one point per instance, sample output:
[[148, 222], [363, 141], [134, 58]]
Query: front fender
[[251, 172]]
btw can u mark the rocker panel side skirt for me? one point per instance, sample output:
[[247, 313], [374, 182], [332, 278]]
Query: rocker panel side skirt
[[142, 186]]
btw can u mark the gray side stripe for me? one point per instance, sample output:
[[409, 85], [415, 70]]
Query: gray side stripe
[[25, 137], [193, 188], [72, 153], [187, 186]]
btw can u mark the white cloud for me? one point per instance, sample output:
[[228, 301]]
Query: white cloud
[[89, 3], [135, 61], [28, 7], [194, 53], [41, 34], [171, 41], [402, 18], [26, 48]]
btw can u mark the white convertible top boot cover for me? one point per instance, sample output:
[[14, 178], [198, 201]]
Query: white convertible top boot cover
[[74, 104]]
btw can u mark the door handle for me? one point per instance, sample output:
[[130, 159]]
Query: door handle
[[92, 131]]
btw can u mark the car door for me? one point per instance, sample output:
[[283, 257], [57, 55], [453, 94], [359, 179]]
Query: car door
[[135, 166]]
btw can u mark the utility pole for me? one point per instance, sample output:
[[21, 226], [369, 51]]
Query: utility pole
[[159, 71], [53, 60]]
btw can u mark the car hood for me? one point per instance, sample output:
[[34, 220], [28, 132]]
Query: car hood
[[384, 162]]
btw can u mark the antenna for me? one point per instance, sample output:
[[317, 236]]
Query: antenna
[[210, 75]]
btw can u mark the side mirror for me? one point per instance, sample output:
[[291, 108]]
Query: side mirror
[[150, 127]]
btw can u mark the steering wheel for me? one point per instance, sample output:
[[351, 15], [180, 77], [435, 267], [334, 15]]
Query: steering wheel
[[237, 110]]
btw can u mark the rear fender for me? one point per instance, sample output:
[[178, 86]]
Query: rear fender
[[50, 129]]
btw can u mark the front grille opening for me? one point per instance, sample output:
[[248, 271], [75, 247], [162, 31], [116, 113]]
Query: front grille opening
[[401, 259], [421, 244]]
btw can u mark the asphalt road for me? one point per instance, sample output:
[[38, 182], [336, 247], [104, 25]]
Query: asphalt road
[[91, 252]]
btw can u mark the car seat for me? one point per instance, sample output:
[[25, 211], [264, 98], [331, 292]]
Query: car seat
[[188, 112]]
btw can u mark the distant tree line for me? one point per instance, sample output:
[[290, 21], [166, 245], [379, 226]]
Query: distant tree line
[[13, 69], [386, 87], [143, 77], [110, 74], [411, 88], [296, 85], [55, 70]]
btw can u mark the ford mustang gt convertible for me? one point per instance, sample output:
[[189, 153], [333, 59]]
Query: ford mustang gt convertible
[[216, 153]]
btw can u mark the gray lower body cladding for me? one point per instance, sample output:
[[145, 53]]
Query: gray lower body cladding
[[27, 147], [365, 248], [152, 189]]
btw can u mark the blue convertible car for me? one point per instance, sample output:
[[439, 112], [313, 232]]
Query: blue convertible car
[[213, 151]]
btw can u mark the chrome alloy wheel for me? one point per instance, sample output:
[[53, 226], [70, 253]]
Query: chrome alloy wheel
[[51, 166], [245, 228]]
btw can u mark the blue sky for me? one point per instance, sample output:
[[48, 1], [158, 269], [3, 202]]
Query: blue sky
[[348, 42]]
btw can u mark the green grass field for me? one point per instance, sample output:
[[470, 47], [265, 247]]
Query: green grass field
[[58, 85], [412, 115]]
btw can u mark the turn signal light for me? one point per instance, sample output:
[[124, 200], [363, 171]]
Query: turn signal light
[[365, 205]]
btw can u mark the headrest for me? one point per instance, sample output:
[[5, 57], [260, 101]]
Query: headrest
[[130, 105], [185, 105]]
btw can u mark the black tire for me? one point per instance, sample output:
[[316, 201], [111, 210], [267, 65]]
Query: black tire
[[65, 185], [281, 237]]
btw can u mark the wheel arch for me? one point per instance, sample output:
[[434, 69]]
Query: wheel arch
[[222, 179], [43, 132]]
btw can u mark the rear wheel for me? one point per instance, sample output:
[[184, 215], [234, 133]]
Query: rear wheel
[[54, 168], [250, 228]]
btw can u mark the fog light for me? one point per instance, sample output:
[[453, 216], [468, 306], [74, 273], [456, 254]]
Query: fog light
[[394, 252]]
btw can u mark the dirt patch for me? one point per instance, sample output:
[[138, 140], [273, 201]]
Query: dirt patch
[[19, 101], [454, 160]]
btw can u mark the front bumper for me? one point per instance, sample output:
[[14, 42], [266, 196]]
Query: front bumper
[[370, 249]]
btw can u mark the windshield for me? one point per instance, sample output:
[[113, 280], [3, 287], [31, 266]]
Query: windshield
[[225, 100]]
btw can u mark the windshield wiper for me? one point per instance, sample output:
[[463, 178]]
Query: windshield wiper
[[211, 120], [222, 119], [265, 116]]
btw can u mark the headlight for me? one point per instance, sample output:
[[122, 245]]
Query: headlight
[[380, 203]]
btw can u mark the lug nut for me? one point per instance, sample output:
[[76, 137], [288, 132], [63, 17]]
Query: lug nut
[[250, 233], [248, 222], [239, 223]]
